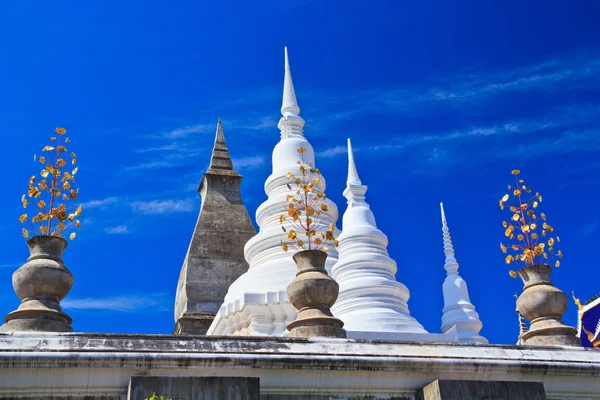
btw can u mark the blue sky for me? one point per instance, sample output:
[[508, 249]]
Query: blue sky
[[441, 99]]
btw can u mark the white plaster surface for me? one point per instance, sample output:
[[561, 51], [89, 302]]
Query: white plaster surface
[[371, 300]]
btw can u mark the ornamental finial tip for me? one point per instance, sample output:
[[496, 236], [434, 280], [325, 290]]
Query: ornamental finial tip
[[443, 214]]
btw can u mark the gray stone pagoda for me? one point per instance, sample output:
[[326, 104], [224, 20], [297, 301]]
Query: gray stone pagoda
[[215, 258]]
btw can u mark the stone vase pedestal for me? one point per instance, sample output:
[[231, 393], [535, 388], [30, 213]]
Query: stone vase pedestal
[[41, 283], [544, 305], [313, 292]]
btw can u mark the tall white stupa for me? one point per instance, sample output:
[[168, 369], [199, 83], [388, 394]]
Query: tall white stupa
[[256, 303], [458, 313], [372, 303]]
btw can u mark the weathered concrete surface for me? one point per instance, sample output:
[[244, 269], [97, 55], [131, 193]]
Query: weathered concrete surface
[[194, 388], [481, 390], [215, 257], [68, 364]]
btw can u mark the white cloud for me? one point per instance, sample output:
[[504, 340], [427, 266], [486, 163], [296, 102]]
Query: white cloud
[[184, 131], [100, 203], [265, 123], [334, 151], [117, 230], [150, 165], [9, 265], [155, 207], [167, 147], [125, 303], [253, 161]]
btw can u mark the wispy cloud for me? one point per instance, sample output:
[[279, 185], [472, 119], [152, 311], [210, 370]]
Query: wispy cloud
[[561, 73], [124, 303], [265, 123], [11, 265], [250, 162], [167, 147], [102, 203], [334, 151], [156, 207], [186, 130], [149, 165], [117, 230]]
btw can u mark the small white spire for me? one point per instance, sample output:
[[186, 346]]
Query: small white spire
[[289, 105], [458, 310], [353, 178], [451, 265]]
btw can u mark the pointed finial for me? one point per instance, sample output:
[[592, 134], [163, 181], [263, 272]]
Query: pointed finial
[[289, 105], [353, 178], [443, 213], [220, 155], [451, 265]]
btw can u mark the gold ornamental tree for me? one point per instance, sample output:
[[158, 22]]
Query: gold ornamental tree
[[50, 197], [530, 238], [305, 210]]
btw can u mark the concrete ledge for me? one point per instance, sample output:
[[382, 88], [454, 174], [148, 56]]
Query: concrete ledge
[[102, 364]]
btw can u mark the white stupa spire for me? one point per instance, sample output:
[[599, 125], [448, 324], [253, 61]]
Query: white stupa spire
[[257, 303], [458, 310], [291, 123], [353, 178], [371, 302], [289, 106]]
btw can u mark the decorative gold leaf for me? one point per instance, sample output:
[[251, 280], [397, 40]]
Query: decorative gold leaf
[[502, 247], [60, 131], [72, 235], [505, 197], [25, 233], [512, 273], [557, 264], [515, 172]]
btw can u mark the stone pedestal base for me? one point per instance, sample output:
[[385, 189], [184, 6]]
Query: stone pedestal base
[[41, 283], [313, 292], [543, 305], [481, 390], [37, 320], [550, 332]]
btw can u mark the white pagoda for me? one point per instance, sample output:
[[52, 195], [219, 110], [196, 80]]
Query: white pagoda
[[372, 303], [257, 303]]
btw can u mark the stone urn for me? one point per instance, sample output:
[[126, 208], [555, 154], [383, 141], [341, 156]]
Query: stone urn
[[313, 292], [544, 305], [41, 283]]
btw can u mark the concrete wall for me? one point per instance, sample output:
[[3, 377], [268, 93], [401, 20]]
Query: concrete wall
[[194, 388], [482, 390]]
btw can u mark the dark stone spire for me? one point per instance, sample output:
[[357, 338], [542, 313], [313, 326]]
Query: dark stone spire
[[215, 258], [220, 159]]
